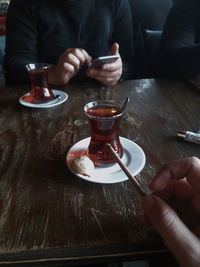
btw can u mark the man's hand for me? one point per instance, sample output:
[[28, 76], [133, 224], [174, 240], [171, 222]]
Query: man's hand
[[68, 65], [110, 73], [170, 183]]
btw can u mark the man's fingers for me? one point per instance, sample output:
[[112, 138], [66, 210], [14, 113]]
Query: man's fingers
[[73, 60], [180, 240], [115, 66], [114, 49], [102, 73], [176, 170], [76, 56], [107, 78], [68, 67], [88, 58]]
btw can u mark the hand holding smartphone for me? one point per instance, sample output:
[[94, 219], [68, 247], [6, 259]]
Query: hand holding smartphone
[[98, 62]]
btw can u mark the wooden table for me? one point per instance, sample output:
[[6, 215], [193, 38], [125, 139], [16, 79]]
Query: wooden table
[[50, 216]]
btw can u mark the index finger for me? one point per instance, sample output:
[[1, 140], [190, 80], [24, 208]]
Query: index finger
[[176, 170], [88, 58], [79, 53]]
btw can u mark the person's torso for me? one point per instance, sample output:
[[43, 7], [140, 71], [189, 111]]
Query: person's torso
[[66, 24]]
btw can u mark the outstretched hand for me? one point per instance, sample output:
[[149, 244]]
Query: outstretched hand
[[179, 179]]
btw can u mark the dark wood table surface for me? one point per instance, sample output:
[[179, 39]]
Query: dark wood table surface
[[50, 216]]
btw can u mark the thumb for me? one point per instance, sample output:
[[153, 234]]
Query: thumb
[[114, 49], [179, 239]]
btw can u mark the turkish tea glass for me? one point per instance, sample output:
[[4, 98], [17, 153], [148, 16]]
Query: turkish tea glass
[[40, 91], [104, 118]]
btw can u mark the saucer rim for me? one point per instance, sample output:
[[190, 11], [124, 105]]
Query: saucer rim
[[126, 144], [62, 94]]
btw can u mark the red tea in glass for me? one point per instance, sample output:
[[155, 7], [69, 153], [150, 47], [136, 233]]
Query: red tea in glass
[[104, 118], [40, 91]]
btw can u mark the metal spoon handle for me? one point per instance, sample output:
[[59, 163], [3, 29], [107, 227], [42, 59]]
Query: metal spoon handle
[[125, 103]]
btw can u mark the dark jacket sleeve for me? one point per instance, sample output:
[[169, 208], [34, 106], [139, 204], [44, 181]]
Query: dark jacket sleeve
[[21, 37], [180, 44]]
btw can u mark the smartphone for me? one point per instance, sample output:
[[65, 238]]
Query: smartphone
[[99, 61]]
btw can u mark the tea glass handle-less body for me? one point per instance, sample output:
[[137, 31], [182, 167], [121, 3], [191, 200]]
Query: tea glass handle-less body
[[104, 118]]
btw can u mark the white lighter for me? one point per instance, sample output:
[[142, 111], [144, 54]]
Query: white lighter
[[189, 136]]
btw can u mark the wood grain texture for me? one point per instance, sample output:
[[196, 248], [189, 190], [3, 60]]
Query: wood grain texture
[[47, 213]]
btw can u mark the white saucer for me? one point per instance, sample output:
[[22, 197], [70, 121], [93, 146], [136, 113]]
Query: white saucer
[[134, 158], [62, 98]]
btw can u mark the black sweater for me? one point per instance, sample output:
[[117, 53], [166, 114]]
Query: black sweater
[[180, 44], [41, 30]]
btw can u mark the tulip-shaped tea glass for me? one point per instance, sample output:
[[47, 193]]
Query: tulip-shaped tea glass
[[40, 91], [104, 118]]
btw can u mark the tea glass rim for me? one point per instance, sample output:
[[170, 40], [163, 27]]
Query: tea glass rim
[[105, 103]]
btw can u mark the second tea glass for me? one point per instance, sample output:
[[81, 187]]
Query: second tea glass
[[40, 91]]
